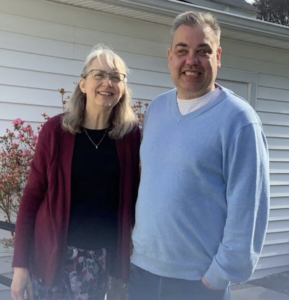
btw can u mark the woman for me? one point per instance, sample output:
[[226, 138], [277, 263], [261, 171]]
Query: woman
[[81, 191]]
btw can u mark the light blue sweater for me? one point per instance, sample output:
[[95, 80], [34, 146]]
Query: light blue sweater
[[203, 200]]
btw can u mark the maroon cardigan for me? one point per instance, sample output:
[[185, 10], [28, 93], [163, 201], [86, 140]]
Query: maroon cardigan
[[42, 220]]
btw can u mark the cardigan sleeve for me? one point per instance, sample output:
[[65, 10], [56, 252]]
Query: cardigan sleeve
[[136, 168], [33, 195]]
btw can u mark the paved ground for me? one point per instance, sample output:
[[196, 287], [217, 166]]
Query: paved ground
[[277, 282], [273, 287], [257, 293], [247, 292]]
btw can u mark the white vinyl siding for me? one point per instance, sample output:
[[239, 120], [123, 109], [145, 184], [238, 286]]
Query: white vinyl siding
[[273, 109]]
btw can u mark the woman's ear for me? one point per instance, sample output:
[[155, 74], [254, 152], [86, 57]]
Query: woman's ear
[[82, 85]]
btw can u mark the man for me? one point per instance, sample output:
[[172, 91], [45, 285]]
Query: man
[[203, 200]]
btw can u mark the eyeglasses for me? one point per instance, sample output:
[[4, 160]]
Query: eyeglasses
[[100, 75]]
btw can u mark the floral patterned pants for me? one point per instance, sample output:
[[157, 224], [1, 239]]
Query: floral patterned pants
[[85, 277]]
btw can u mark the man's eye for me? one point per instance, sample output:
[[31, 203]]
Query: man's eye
[[203, 51], [182, 51]]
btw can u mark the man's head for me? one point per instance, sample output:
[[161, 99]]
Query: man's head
[[195, 55], [194, 19]]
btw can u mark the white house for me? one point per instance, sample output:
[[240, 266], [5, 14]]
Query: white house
[[43, 44]]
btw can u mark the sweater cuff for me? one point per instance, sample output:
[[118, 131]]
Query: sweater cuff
[[213, 276]]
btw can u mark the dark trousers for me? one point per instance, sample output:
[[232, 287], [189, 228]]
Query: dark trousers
[[144, 285]]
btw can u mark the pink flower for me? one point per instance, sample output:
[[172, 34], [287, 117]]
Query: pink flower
[[26, 151], [30, 133], [17, 121]]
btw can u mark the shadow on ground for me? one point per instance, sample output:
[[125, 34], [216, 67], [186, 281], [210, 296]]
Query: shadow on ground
[[277, 282]]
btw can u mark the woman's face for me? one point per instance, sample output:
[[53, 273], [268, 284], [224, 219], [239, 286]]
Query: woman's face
[[103, 85]]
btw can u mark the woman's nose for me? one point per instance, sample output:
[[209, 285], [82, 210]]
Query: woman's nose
[[107, 80]]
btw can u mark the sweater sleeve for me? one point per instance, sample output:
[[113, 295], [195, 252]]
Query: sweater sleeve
[[246, 173], [33, 195]]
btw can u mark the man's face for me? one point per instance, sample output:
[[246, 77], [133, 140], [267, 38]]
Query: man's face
[[193, 60]]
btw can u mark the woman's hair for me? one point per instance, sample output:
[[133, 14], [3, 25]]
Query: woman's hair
[[193, 18], [122, 118]]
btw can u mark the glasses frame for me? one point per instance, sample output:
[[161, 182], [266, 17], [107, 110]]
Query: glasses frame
[[107, 74]]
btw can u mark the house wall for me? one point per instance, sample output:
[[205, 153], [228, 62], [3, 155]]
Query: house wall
[[42, 48]]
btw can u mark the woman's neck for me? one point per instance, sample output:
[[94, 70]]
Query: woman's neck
[[96, 120]]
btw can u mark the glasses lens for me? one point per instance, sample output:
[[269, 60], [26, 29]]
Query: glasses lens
[[101, 75], [116, 77], [98, 74]]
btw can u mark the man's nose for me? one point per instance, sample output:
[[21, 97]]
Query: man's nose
[[192, 59]]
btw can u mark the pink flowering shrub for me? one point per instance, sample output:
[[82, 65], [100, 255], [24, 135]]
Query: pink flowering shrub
[[140, 109], [17, 148], [16, 152]]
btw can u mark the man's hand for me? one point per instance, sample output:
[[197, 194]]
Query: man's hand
[[206, 284]]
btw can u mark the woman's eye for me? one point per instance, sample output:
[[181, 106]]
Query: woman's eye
[[98, 76], [115, 77]]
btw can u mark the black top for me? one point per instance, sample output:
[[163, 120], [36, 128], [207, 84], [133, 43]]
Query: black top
[[95, 176]]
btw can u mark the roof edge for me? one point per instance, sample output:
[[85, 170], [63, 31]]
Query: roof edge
[[231, 4], [168, 9], [171, 8]]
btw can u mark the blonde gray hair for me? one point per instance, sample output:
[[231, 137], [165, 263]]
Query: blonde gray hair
[[193, 18], [122, 118]]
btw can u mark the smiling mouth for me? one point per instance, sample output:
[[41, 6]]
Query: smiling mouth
[[191, 73], [105, 93]]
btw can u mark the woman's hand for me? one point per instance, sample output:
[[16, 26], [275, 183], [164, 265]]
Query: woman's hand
[[21, 282]]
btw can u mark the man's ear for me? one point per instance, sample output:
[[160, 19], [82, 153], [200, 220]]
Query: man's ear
[[219, 52], [169, 54], [82, 85]]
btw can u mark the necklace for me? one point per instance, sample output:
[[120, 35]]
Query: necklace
[[95, 145]]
